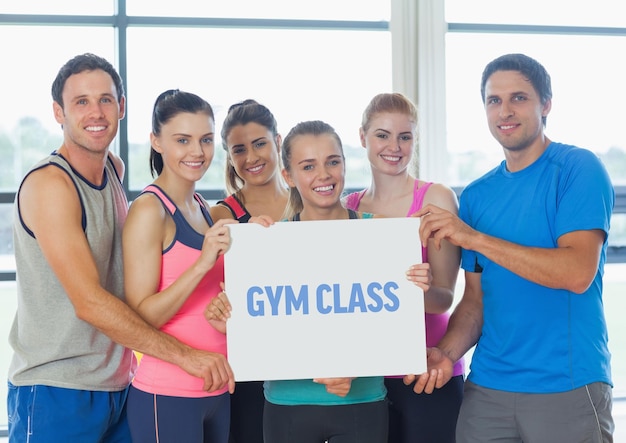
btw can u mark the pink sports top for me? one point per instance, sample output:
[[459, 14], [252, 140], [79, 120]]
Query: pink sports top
[[188, 324], [436, 324]]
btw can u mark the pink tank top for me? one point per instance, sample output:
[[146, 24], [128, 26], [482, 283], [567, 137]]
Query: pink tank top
[[188, 324], [436, 324]]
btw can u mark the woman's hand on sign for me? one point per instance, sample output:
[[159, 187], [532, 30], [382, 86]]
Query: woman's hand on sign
[[421, 275], [336, 385], [217, 312]]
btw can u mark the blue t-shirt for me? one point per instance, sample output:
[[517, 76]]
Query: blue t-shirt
[[536, 339]]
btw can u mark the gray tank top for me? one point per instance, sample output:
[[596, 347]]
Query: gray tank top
[[51, 345]]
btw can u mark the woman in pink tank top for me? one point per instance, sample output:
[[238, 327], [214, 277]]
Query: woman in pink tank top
[[389, 132], [173, 267]]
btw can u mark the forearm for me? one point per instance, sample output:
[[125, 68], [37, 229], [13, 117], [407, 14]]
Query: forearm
[[120, 323], [567, 266], [464, 329], [444, 263], [123, 325], [570, 264]]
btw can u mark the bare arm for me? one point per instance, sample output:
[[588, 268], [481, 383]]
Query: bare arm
[[444, 260], [463, 332], [572, 265], [147, 228], [56, 223], [219, 212], [466, 321]]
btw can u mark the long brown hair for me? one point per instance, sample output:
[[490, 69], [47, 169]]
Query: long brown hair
[[247, 111]]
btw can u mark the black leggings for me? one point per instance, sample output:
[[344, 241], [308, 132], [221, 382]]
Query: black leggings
[[354, 423], [423, 418], [246, 413]]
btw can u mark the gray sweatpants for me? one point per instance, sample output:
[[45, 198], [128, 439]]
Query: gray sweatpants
[[579, 416]]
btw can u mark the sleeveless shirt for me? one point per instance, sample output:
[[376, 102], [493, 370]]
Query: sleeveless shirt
[[188, 324], [51, 345], [236, 208]]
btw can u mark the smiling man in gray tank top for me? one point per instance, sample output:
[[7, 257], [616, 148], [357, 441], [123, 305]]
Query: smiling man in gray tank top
[[73, 332]]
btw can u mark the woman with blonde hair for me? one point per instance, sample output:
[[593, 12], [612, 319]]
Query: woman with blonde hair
[[389, 133]]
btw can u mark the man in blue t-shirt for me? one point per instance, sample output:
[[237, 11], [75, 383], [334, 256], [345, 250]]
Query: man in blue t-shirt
[[534, 236]]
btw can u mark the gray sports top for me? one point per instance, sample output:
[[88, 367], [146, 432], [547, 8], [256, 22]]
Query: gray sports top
[[51, 345]]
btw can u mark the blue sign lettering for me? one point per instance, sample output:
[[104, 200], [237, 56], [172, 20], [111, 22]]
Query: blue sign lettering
[[375, 297]]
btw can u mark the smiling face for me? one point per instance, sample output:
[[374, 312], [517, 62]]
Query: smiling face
[[389, 140], [253, 153], [186, 145], [91, 111], [316, 170], [515, 112]]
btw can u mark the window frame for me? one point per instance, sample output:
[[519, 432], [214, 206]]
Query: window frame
[[120, 21], [417, 28], [431, 78]]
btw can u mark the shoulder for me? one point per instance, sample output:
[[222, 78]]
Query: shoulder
[[146, 200], [38, 211], [118, 164], [575, 162], [441, 195], [438, 191], [46, 179], [146, 220], [145, 226], [147, 207], [570, 155], [220, 211]]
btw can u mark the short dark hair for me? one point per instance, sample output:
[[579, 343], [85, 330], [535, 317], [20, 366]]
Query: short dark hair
[[525, 65], [80, 63], [168, 105]]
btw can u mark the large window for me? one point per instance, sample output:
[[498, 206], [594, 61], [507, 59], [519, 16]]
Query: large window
[[323, 63], [590, 117], [300, 74]]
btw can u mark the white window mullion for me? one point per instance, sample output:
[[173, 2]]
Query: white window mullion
[[418, 31]]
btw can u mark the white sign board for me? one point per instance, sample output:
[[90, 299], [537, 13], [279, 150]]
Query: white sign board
[[325, 299]]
